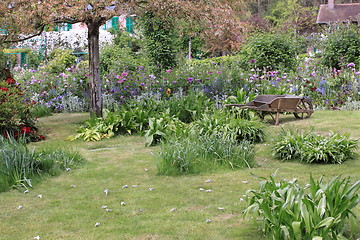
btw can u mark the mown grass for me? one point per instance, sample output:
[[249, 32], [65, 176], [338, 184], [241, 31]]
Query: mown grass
[[66, 212]]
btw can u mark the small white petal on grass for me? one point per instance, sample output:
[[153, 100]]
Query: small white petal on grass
[[146, 169], [39, 196], [209, 190], [209, 180], [173, 210], [20, 207], [307, 185], [108, 210], [150, 189], [221, 208], [106, 191], [245, 181], [208, 220], [241, 199], [72, 186], [123, 203], [67, 169], [201, 189], [125, 186], [103, 207], [37, 237], [97, 224], [134, 186], [26, 191]]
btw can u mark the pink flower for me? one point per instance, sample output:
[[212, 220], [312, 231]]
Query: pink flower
[[124, 74]]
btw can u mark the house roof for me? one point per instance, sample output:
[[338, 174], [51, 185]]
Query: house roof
[[340, 13]]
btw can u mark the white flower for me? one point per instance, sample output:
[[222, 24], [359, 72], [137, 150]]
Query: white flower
[[39, 196], [20, 207], [37, 237], [241, 199], [146, 169], [122, 203], [201, 189], [67, 169], [209, 190], [209, 180], [72, 186], [221, 208], [245, 181], [97, 224], [208, 220], [103, 207], [26, 191], [173, 210], [106, 191], [108, 210], [134, 186], [150, 189], [125, 186]]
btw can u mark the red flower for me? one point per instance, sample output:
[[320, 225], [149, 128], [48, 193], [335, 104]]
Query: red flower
[[10, 80], [26, 130], [4, 89]]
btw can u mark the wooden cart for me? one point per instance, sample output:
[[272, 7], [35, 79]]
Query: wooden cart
[[301, 107]]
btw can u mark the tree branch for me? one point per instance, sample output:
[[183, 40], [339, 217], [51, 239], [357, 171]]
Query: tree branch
[[28, 37]]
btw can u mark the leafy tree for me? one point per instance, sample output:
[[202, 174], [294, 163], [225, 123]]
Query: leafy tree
[[30, 17]]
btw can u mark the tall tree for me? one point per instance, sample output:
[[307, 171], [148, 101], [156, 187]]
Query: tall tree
[[30, 17]]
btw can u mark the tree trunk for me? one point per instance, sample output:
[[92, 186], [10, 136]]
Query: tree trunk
[[94, 65]]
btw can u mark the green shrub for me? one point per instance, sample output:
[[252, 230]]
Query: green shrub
[[310, 147], [60, 60], [319, 211], [197, 153], [342, 46], [270, 51]]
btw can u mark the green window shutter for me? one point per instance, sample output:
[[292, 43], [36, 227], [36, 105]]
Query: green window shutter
[[115, 23], [129, 25]]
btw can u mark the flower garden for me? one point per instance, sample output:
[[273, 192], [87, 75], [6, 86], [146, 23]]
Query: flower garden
[[168, 156]]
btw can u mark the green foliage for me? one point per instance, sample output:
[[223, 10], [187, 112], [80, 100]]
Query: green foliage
[[270, 51], [342, 46], [60, 60], [198, 153], [289, 211], [19, 164], [161, 41], [310, 147], [116, 59]]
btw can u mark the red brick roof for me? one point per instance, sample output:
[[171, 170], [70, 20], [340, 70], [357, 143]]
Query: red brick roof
[[340, 13]]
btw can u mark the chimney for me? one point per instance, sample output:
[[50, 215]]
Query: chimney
[[331, 4]]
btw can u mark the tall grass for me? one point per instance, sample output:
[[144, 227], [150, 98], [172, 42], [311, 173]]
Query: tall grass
[[19, 164], [201, 153]]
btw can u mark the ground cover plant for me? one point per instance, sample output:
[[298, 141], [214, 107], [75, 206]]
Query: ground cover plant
[[209, 203]]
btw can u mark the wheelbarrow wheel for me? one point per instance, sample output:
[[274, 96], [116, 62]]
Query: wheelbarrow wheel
[[304, 104]]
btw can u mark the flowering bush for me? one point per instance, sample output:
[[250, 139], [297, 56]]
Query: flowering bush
[[15, 112]]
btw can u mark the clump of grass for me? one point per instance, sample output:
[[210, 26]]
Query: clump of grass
[[310, 147], [19, 164], [200, 153]]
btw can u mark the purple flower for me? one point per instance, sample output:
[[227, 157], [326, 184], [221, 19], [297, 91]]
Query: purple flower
[[174, 82], [124, 74], [351, 65], [168, 71], [252, 61]]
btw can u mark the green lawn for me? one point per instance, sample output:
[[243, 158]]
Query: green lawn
[[66, 212]]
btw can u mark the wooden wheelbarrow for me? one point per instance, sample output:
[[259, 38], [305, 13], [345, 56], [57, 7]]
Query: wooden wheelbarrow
[[301, 107]]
